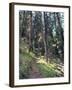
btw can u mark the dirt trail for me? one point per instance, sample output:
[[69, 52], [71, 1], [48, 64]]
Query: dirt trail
[[34, 73]]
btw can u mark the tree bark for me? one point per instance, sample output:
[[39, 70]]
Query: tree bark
[[62, 36], [29, 28], [44, 39]]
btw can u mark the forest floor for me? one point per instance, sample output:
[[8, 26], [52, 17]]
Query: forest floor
[[36, 67], [41, 69], [35, 73]]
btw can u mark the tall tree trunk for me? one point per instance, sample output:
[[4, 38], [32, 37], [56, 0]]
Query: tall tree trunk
[[33, 31], [30, 28], [56, 49], [62, 36], [44, 39], [46, 34]]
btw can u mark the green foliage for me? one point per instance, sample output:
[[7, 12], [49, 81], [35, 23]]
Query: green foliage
[[25, 64], [47, 70]]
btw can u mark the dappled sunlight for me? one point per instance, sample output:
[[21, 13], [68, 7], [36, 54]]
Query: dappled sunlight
[[42, 61], [49, 69], [32, 54], [46, 70]]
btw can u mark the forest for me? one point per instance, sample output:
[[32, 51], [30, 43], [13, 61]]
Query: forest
[[41, 44]]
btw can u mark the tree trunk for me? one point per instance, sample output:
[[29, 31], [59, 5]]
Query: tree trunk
[[62, 36], [44, 39], [29, 28]]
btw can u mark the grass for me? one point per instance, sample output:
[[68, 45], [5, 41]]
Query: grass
[[47, 70], [26, 58]]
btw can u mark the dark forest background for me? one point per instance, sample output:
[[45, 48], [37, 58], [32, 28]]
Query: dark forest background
[[41, 44]]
